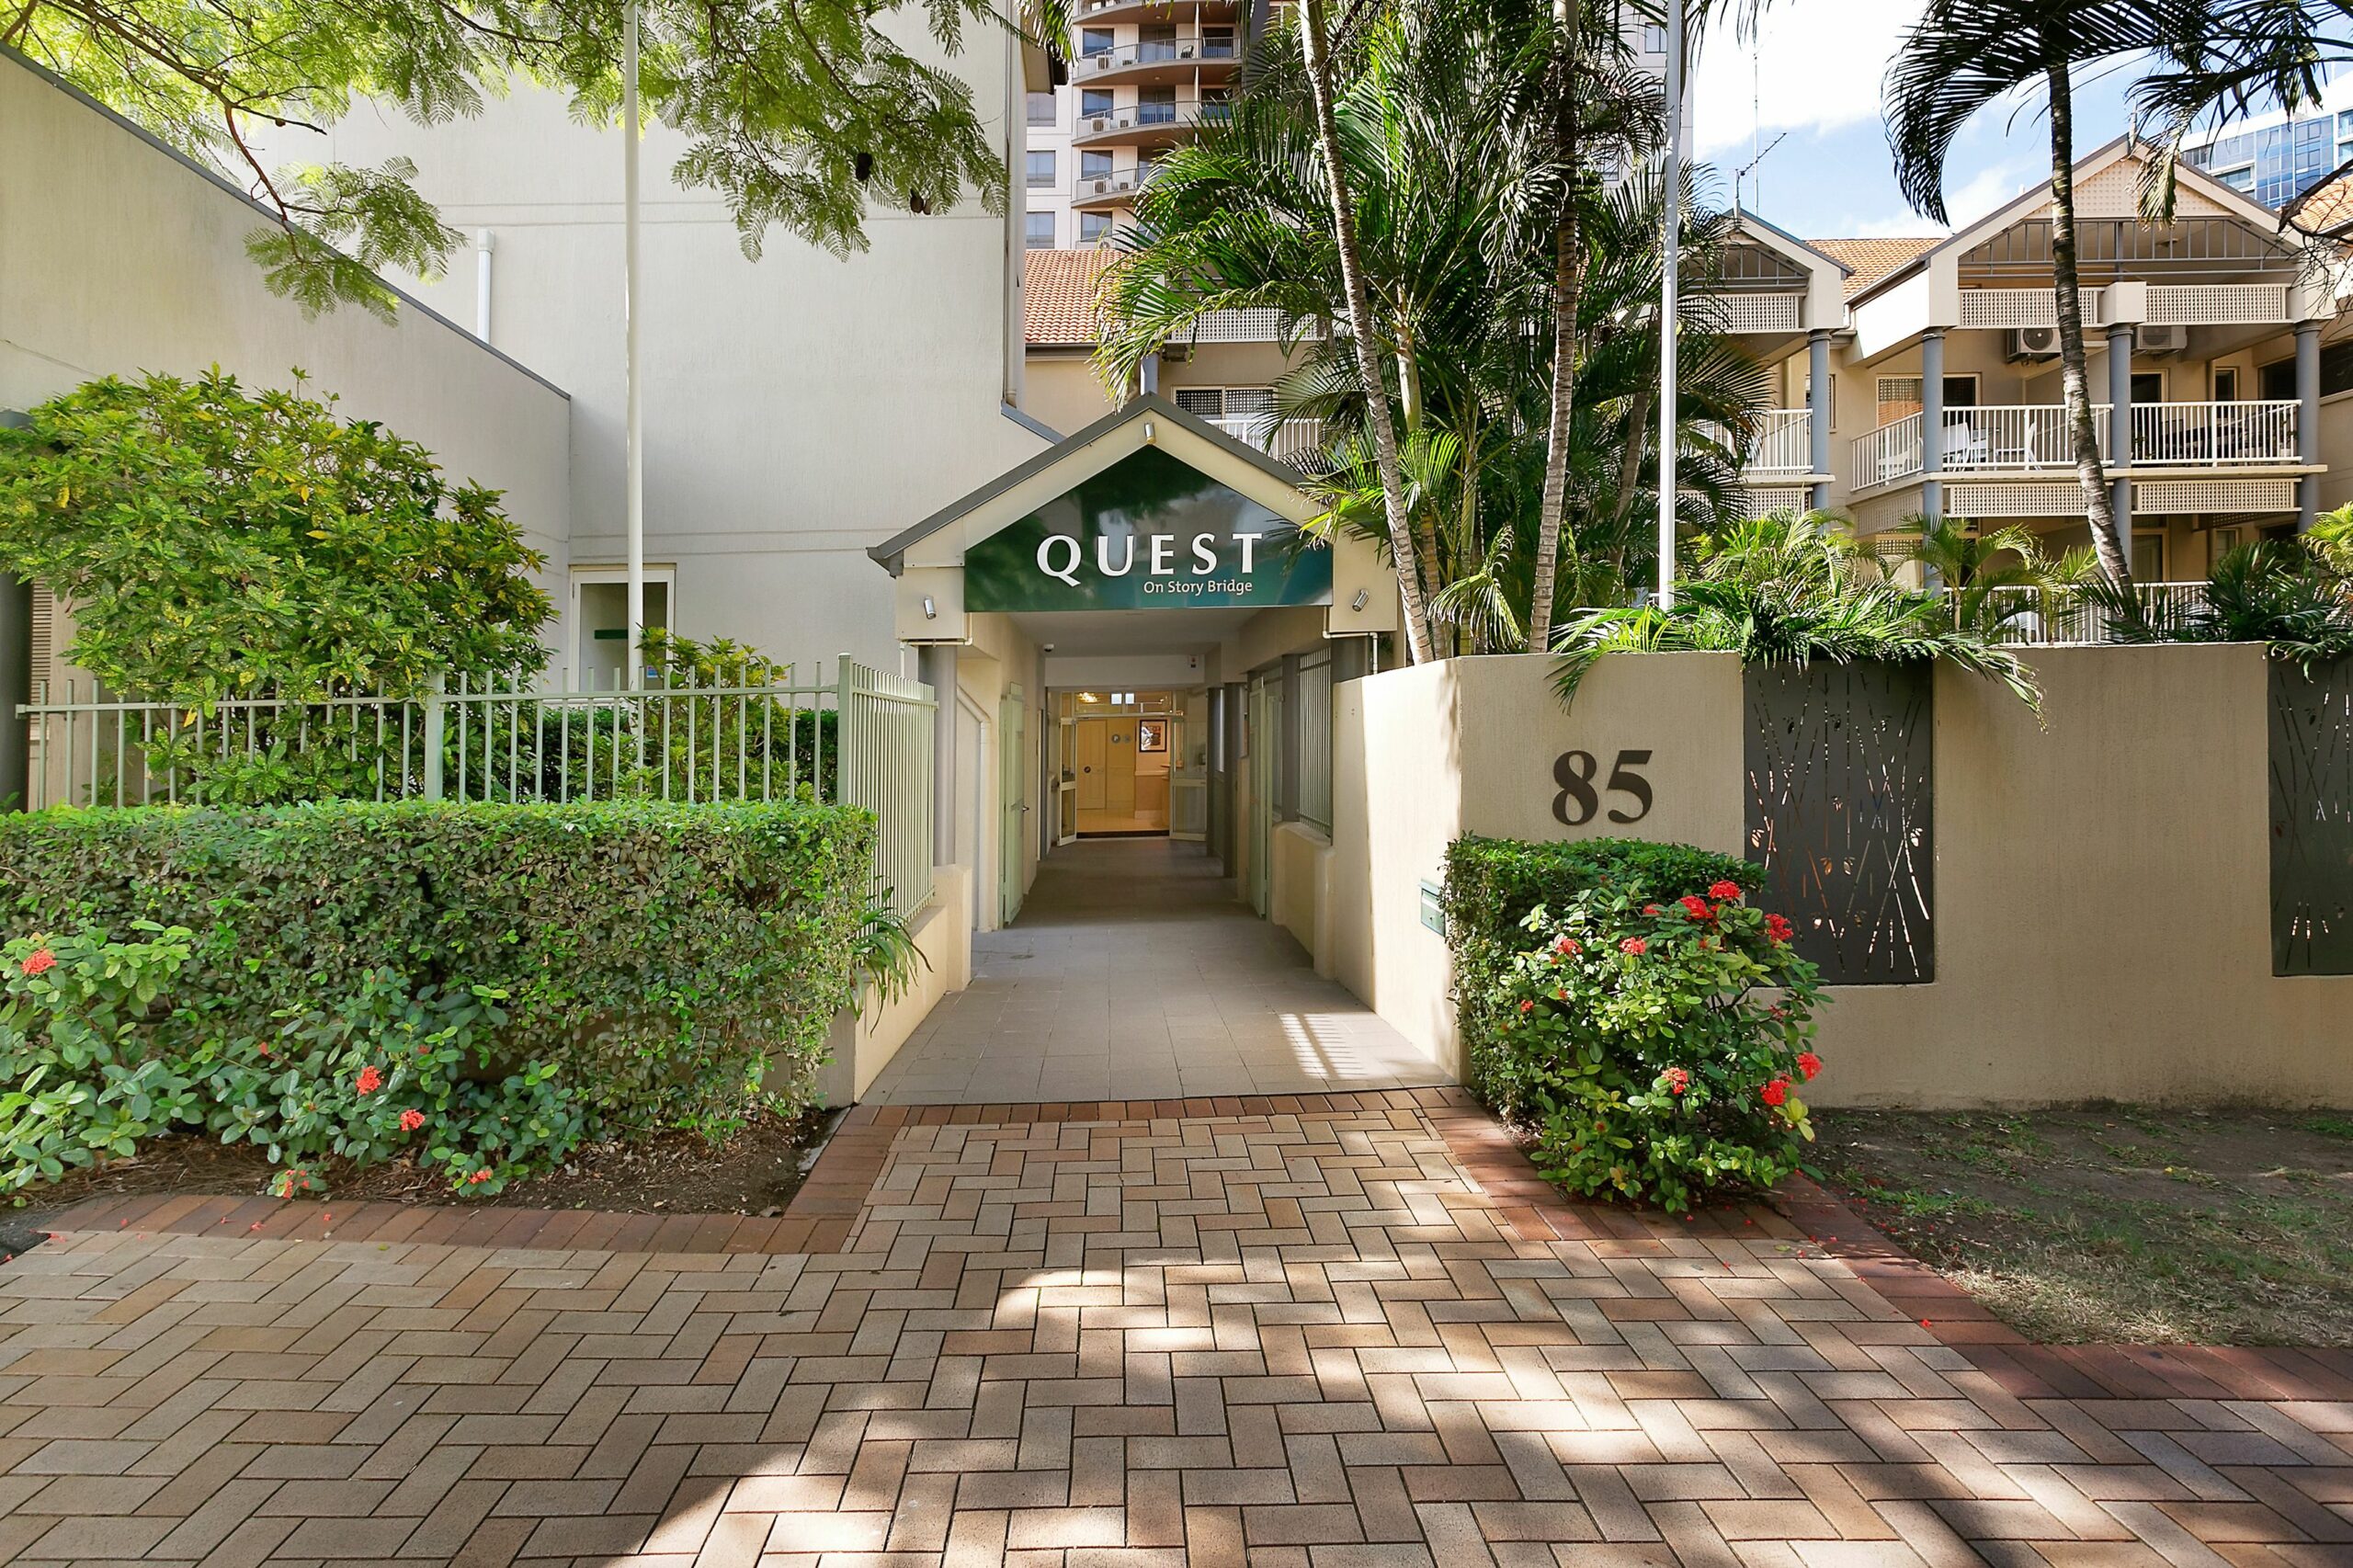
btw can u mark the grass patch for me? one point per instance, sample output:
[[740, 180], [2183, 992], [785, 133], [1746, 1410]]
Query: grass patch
[[2123, 1223]]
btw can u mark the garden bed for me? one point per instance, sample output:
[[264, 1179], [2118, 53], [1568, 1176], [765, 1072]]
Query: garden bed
[[754, 1171], [2119, 1225]]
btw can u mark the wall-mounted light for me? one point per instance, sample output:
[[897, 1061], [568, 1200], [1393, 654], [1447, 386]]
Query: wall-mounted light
[[930, 610], [1361, 600]]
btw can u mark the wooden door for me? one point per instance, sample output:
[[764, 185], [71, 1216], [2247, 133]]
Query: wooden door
[[1120, 768], [1092, 735]]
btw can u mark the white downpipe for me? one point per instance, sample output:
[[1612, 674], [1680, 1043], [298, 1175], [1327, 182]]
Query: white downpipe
[[485, 242], [1670, 246], [636, 440]]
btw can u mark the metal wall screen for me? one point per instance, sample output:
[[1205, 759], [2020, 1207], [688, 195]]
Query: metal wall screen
[[1840, 767], [2312, 819]]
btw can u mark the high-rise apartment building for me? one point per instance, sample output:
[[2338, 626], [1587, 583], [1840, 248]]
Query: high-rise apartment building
[[2277, 158]]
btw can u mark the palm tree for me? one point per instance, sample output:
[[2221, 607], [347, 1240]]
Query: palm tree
[[1987, 581], [1965, 54], [1457, 275], [1315, 50]]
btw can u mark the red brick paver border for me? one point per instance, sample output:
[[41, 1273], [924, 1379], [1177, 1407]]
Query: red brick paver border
[[1296, 1332]]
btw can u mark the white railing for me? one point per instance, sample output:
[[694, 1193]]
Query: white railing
[[1782, 445], [1148, 117], [862, 739], [1092, 187], [1288, 439], [2014, 436], [2029, 438], [2214, 434], [1887, 454], [1157, 52], [2053, 617]]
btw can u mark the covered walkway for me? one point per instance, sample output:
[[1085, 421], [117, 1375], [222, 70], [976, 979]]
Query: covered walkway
[[1134, 974]]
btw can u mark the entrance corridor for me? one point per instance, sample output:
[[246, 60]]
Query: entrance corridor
[[1133, 973]]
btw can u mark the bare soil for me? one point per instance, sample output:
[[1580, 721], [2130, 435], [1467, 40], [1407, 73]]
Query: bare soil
[[755, 1170], [2119, 1224]]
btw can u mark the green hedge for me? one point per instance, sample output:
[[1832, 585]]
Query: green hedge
[[1491, 886], [656, 956]]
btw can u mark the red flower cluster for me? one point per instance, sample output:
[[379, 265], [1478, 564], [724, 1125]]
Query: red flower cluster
[[1526, 1006], [1635, 946], [1650, 909], [39, 962], [1697, 907], [1567, 946], [1808, 1065], [1777, 928], [1729, 891], [1678, 1080], [410, 1120], [371, 1080], [480, 1175], [1777, 1092]]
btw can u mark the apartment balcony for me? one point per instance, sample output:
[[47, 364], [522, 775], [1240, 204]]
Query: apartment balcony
[[2049, 617], [1159, 62], [1106, 193], [2032, 438], [1146, 125], [1298, 442], [1103, 13]]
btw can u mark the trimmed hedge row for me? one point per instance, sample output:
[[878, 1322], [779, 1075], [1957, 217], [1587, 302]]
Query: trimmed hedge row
[[656, 956], [1492, 884]]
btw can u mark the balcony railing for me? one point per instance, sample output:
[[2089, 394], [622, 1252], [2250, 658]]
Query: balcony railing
[[1783, 445], [2031, 437], [1148, 117], [1292, 440], [1157, 52], [2046, 617]]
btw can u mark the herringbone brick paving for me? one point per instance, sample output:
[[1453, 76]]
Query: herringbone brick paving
[[1343, 1332]]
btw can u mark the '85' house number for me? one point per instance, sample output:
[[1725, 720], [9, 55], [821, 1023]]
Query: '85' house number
[[1580, 797]]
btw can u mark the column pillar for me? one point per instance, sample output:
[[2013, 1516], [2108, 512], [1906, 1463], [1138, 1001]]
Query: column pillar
[[936, 666], [1932, 422], [2307, 420], [1817, 403], [2120, 433]]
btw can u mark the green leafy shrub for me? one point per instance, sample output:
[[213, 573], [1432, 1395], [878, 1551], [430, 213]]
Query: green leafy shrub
[[1661, 1046], [519, 975], [1492, 884]]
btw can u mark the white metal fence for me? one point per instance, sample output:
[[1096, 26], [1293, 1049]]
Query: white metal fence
[[2214, 434], [2050, 617], [863, 738]]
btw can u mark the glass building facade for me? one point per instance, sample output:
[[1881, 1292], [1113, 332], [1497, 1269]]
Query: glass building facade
[[2275, 162]]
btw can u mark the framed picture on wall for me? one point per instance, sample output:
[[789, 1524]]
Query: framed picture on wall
[[1151, 734]]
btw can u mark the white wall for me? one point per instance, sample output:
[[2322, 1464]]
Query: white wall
[[117, 257], [798, 409]]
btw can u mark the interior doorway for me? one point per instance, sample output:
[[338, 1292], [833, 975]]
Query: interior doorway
[[1125, 768]]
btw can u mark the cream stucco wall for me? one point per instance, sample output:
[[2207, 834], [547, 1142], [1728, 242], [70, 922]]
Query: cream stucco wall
[[2102, 910], [117, 257]]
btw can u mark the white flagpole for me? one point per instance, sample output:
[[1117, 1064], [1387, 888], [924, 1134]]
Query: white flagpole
[[636, 400], [1670, 246]]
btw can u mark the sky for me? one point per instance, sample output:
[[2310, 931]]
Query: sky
[[1814, 72]]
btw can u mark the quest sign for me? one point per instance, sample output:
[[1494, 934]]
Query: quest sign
[[1149, 532]]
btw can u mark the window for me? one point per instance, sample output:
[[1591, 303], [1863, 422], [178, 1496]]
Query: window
[[1654, 43], [1042, 169], [2226, 384], [2277, 380], [1961, 391], [1093, 226], [1217, 104], [1094, 102], [1157, 105], [1042, 108], [1038, 230], [2221, 542], [2149, 556], [1227, 403], [600, 622], [1098, 165], [1156, 40], [1217, 43], [2148, 386], [1093, 42]]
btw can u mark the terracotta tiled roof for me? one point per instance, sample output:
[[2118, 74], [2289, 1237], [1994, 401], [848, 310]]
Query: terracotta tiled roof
[[1873, 259], [1058, 294], [2327, 211]]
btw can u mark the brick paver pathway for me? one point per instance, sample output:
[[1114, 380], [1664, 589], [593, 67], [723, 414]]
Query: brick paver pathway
[[1340, 1331]]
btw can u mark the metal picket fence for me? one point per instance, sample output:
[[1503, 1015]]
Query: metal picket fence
[[862, 738]]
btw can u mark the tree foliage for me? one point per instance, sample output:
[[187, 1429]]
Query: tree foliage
[[797, 114], [215, 542]]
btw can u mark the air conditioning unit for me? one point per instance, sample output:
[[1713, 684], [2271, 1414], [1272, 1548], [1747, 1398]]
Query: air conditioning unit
[[2160, 339], [2034, 343]]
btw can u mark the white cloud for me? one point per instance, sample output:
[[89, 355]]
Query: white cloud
[[1814, 66]]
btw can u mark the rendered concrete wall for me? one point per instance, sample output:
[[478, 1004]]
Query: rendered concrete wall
[[2102, 904], [865, 1038], [1298, 897], [117, 258]]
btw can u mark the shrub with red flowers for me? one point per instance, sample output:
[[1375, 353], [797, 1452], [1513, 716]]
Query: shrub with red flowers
[[1658, 1048]]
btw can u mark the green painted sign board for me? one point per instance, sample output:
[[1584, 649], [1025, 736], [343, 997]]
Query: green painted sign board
[[1149, 532]]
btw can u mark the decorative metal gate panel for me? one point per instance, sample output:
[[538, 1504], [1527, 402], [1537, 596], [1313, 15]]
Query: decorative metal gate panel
[[1840, 771], [2312, 819]]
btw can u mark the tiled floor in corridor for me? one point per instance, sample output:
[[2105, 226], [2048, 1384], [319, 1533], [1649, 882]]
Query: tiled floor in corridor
[[1329, 1332], [1132, 972]]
